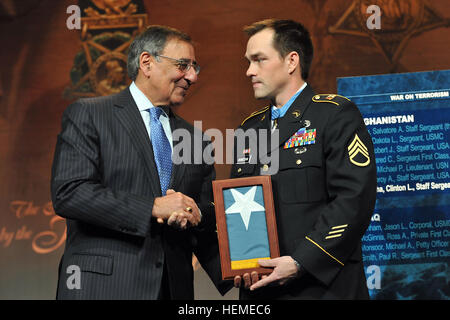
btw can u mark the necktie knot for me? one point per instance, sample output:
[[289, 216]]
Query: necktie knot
[[155, 113], [276, 113]]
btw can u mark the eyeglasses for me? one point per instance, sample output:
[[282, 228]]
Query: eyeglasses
[[183, 65]]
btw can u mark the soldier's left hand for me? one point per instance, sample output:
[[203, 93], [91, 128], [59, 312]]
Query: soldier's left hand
[[284, 270]]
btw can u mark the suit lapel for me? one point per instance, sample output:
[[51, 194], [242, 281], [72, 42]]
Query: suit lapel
[[177, 169], [292, 120], [129, 116]]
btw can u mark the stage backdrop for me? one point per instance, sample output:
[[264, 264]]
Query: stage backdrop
[[406, 248], [48, 59]]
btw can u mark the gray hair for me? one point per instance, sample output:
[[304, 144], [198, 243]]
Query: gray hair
[[152, 40]]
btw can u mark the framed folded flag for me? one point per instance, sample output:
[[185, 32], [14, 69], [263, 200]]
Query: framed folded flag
[[246, 224]]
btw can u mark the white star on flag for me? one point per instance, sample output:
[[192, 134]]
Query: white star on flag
[[244, 204]]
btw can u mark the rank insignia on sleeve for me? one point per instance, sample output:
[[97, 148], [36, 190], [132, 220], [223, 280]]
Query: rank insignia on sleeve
[[358, 153], [336, 231], [301, 138]]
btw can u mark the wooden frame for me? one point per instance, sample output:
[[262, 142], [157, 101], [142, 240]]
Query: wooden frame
[[222, 232]]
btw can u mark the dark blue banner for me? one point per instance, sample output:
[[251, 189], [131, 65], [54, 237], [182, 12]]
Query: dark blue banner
[[406, 249]]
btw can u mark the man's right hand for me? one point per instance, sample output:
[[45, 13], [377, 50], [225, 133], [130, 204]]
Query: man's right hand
[[173, 208]]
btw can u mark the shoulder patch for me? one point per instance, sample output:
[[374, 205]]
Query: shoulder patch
[[358, 152], [330, 98], [255, 114]]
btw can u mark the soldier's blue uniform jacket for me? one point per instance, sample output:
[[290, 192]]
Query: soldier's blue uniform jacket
[[324, 193]]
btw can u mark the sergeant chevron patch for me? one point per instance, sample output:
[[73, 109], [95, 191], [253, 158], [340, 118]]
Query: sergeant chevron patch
[[336, 231], [358, 153]]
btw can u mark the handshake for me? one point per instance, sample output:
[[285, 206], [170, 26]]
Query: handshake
[[177, 209]]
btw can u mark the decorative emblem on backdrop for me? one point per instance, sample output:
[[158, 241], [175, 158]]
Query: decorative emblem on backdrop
[[111, 7], [400, 21], [107, 29]]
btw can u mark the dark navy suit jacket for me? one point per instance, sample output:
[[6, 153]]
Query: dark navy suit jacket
[[104, 182]]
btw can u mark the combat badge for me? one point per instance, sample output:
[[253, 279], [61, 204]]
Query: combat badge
[[358, 153]]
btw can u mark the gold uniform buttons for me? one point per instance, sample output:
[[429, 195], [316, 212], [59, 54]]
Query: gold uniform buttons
[[299, 162]]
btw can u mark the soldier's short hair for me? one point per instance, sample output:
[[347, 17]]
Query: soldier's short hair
[[289, 36]]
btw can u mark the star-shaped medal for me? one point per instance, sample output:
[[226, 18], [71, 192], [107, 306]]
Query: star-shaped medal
[[244, 204]]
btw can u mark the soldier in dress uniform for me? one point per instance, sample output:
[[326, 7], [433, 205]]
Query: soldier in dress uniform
[[325, 184]]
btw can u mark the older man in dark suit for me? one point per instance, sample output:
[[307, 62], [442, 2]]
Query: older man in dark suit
[[134, 217]]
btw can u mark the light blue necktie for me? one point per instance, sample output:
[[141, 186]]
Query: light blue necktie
[[275, 113], [280, 112], [161, 149]]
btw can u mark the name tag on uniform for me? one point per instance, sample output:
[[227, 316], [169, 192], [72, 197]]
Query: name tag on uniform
[[246, 158], [301, 138]]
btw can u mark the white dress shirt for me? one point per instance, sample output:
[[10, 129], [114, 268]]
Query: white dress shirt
[[143, 104]]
